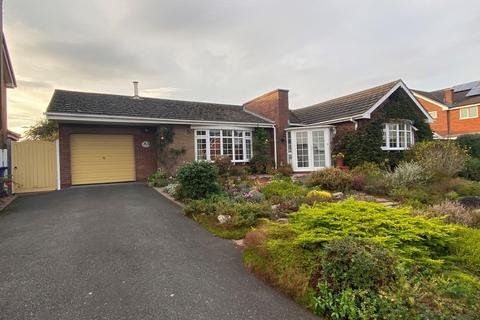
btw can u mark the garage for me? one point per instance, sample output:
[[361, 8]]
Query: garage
[[102, 158]]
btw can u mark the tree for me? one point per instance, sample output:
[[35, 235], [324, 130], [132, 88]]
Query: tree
[[43, 130]]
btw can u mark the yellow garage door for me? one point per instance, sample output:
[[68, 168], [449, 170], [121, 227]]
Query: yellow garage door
[[102, 158]]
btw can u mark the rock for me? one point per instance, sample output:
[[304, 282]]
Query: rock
[[222, 219], [282, 220], [337, 195]]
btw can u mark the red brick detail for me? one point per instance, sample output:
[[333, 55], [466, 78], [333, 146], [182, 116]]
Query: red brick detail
[[440, 124], [274, 106], [145, 158], [448, 96], [183, 139], [448, 122]]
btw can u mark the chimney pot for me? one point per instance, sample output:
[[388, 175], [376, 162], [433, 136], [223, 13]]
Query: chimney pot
[[135, 90]]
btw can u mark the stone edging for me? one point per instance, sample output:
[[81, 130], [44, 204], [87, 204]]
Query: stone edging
[[169, 197]]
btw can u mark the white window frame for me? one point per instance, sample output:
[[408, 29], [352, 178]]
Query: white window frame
[[469, 113], [387, 127], [207, 137], [292, 148], [433, 114]]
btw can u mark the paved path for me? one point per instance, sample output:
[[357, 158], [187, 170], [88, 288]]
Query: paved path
[[123, 252]]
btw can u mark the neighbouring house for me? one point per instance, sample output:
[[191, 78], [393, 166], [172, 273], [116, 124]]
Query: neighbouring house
[[7, 81], [454, 110], [112, 138]]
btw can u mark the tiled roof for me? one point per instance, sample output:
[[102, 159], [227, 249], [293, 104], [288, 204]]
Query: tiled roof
[[461, 96], [343, 107], [72, 102]]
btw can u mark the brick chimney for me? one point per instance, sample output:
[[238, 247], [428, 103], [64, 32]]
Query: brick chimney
[[273, 106], [448, 96]]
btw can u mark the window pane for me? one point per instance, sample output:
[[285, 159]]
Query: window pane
[[318, 144], [227, 133], [392, 133], [227, 146], [248, 133], [201, 132], [384, 136], [238, 133], [463, 113], [214, 133], [402, 139], [248, 145], [302, 150], [238, 148], [289, 147], [214, 147], [473, 112], [202, 149]]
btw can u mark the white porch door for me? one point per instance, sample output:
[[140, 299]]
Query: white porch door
[[310, 149]]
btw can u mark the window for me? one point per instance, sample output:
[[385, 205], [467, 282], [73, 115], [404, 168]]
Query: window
[[302, 150], [468, 113], [397, 136], [433, 114], [308, 150], [211, 143]]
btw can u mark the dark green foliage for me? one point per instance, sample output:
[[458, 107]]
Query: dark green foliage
[[198, 179], [470, 202], [43, 130], [472, 169], [262, 159], [158, 179], [357, 264], [332, 179], [467, 188], [471, 142], [365, 143]]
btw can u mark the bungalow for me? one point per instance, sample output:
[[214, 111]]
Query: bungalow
[[111, 138]]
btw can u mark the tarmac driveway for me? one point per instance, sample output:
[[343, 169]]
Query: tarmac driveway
[[123, 252]]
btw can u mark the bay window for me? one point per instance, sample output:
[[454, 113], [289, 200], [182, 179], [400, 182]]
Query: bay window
[[398, 136], [212, 143]]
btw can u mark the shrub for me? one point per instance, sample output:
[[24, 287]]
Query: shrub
[[466, 188], [198, 179], [332, 179], [158, 179], [172, 189], [358, 182], [467, 250], [471, 142], [367, 169], [414, 238], [453, 212], [283, 189], [376, 185], [407, 174], [318, 196], [243, 213], [224, 165], [284, 170], [472, 202], [439, 158], [472, 169], [260, 164], [203, 206], [357, 264], [415, 197]]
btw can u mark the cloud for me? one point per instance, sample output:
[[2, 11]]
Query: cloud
[[231, 51]]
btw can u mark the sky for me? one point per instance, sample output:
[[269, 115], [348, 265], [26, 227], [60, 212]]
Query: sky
[[231, 51]]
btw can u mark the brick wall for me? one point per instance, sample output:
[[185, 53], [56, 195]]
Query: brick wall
[[145, 158], [458, 127], [274, 106], [439, 125], [183, 139]]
